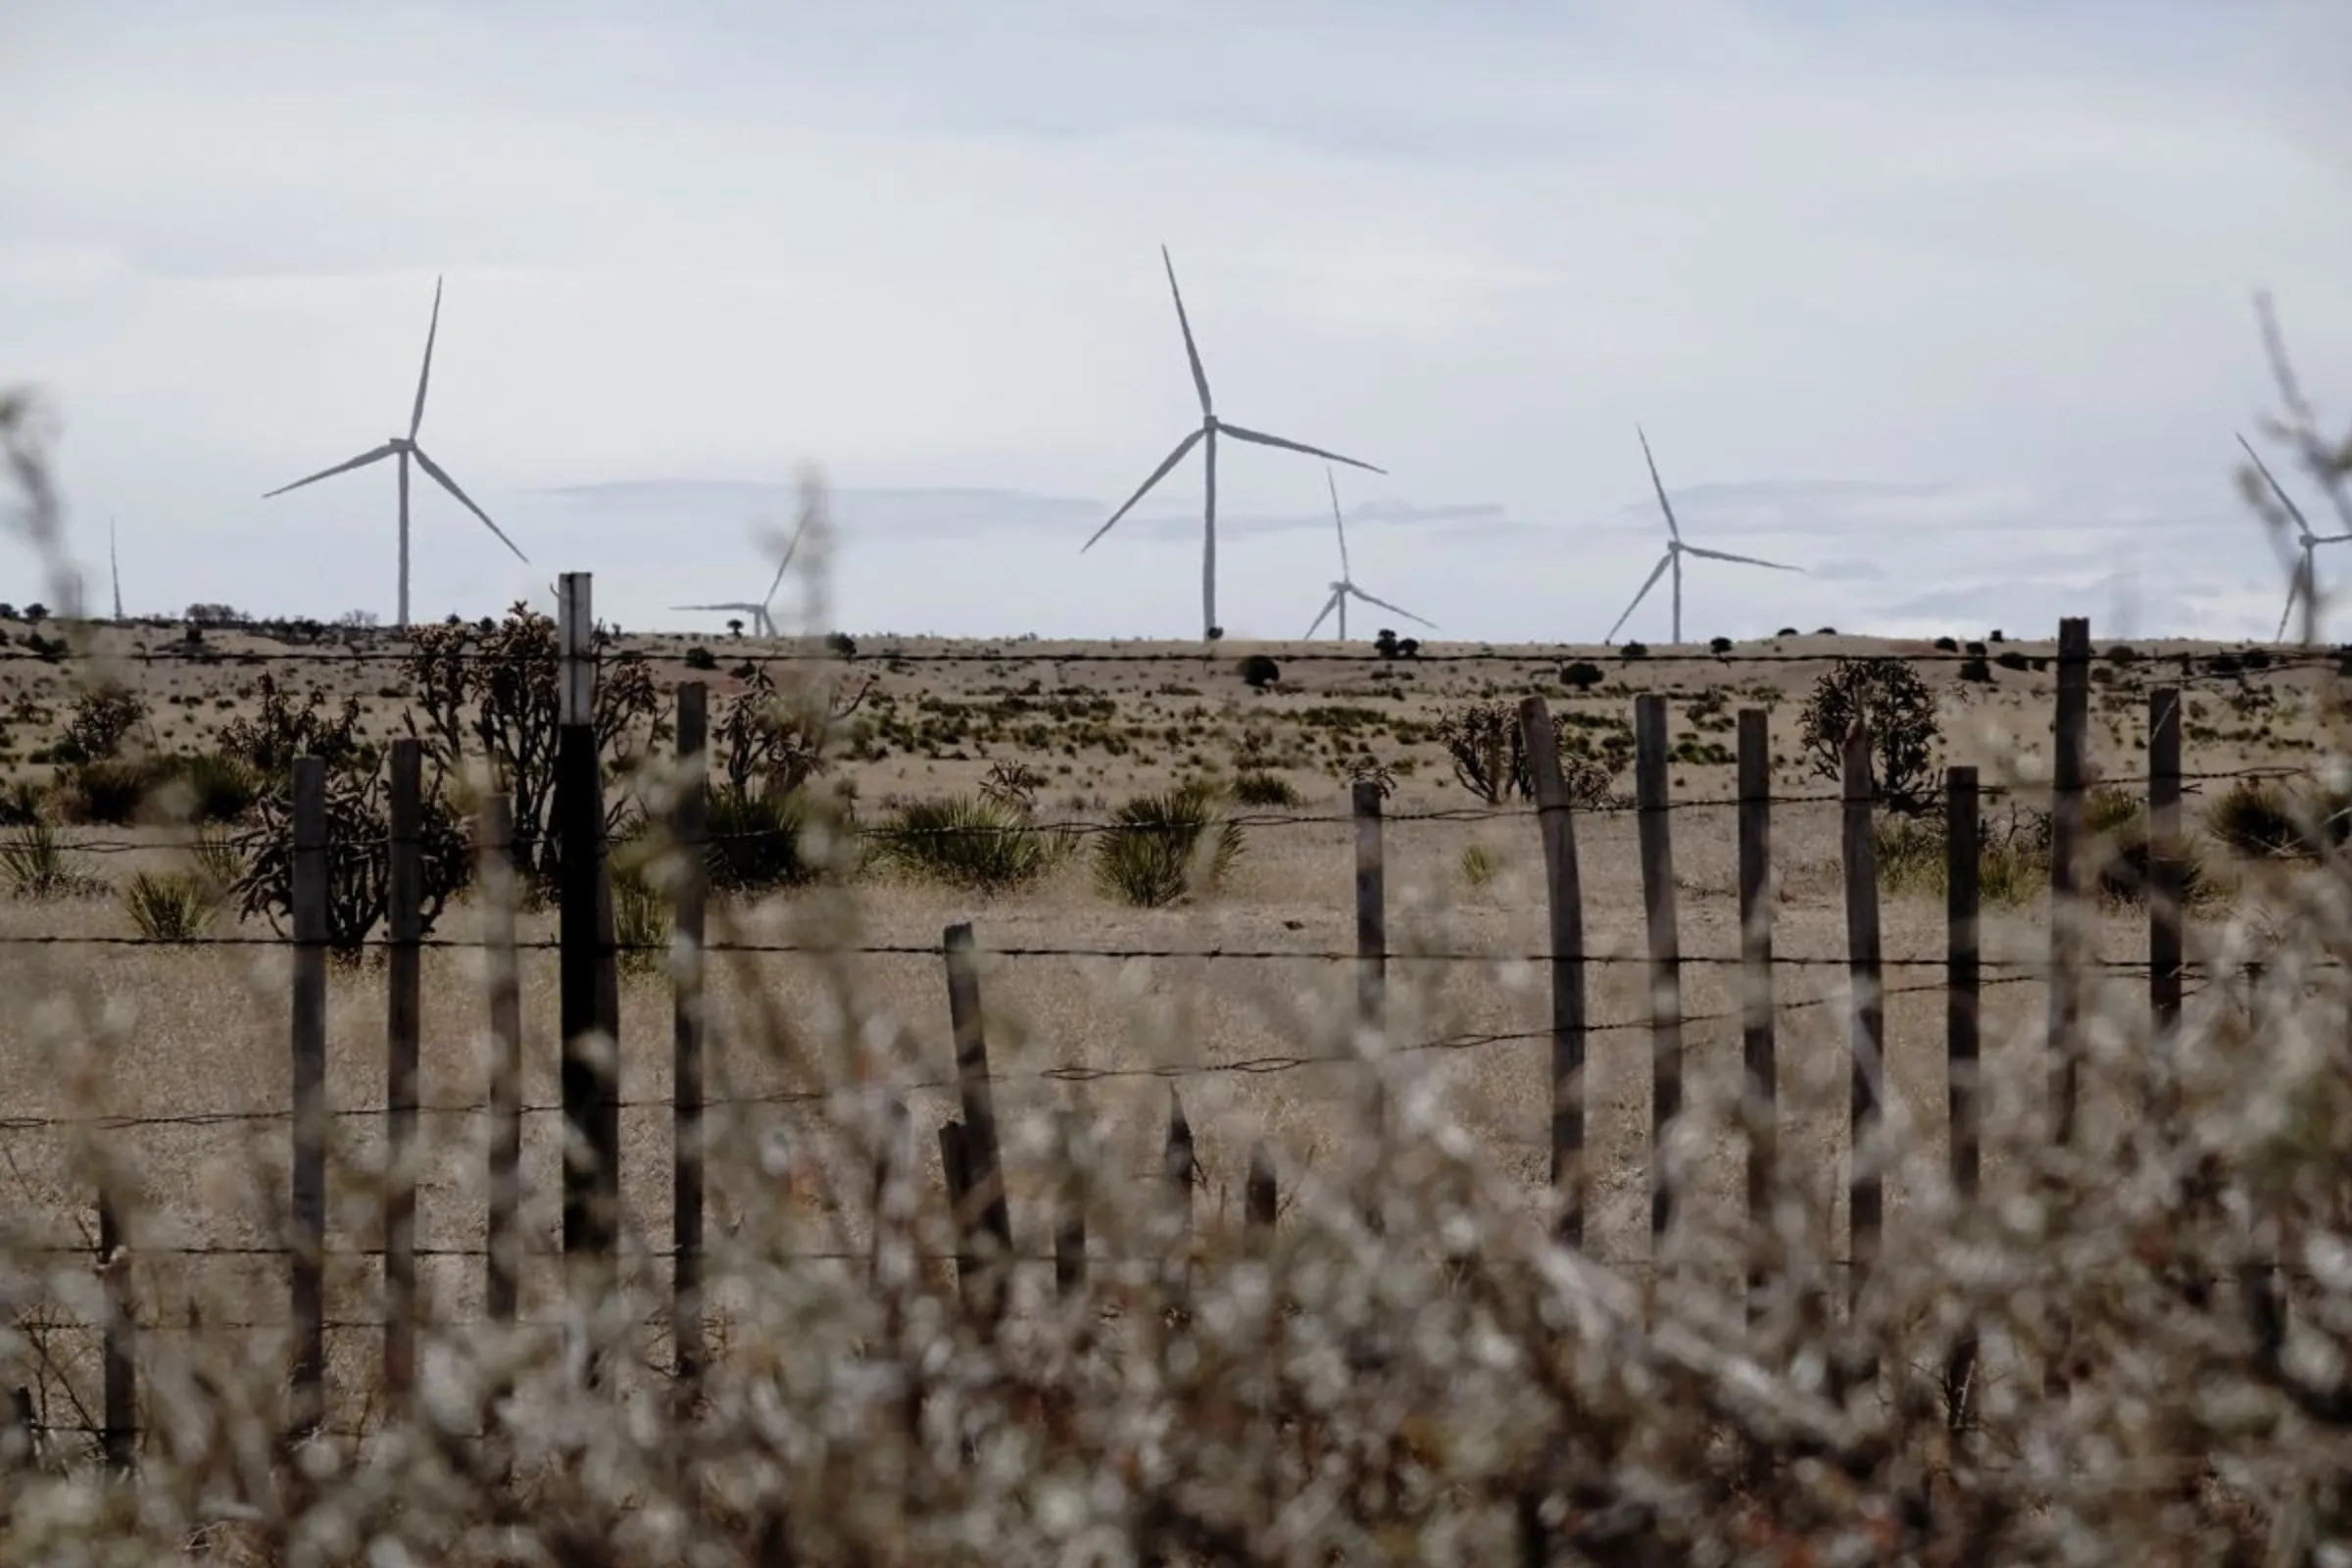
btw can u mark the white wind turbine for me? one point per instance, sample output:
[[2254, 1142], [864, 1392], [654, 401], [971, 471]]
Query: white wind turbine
[[405, 447], [1345, 586], [2306, 581], [1676, 549], [113, 560], [763, 622], [1211, 427]]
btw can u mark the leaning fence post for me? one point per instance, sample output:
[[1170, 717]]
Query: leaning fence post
[[1564, 906], [1653, 806], [1865, 1193], [307, 1210], [591, 1114], [1758, 1057], [689, 827], [1963, 866], [404, 899], [1371, 975], [983, 1156], [2068, 769]]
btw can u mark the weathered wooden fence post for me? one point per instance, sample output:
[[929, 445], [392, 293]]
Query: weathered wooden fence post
[[1963, 866], [990, 1216], [1865, 1193], [2167, 864], [307, 1210], [1372, 980], [1564, 908], [1758, 1055], [118, 1437], [404, 1002], [494, 849], [591, 1048], [1259, 1202], [689, 826], [1177, 1165], [1653, 810], [2068, 914], [1070, 1202]]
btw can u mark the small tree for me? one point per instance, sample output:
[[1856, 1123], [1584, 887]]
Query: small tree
[[358, 858], [1888, 696], [102, 720], [1259, 672], [1383, 643]]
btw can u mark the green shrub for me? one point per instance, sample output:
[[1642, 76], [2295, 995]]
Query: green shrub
[[217, 860], [641, 928], [2012, 861], [1259, 673], [698, 658], [203, 787], [102, 720], [1887, 696], [1260, 788], [968, 841], [1479, 866], [1582, 675], [36, 863], [756, 841], [1159, 848], [108, 793], [21, 802], [171, 906], [2255, 818]]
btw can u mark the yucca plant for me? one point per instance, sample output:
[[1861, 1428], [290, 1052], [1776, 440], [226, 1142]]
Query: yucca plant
[[217, 860], [1161, 846], [1258, 787], [977, 842], [170, 905], [36, 863], [2255, 818]]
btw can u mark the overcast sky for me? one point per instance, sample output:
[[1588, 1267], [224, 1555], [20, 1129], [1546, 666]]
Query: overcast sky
[[1949, 303]]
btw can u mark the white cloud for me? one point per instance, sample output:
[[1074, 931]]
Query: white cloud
[[1879, 283]]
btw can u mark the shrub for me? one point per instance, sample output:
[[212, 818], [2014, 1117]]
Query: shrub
[[170, 905], [204, 787], [1826, 632], [1259, 672], [2013, 861], [1582, 675], [969, 842], [2123, 654], [1948, 645], [1488, 751], [359, 858], [1976, 670], [2255, 817], [102, 720], [700, 658], [641, 928], [1408, 648], [1634, 651], [111, 793], [1975, 650], [1786, 631], [2011, 658], [1257, 787], [36, 863], [21, 802], [1479, 866], [755, 839], [1161, 846], [1385, 644], [218, 861], [841, 645], [1887, 696]]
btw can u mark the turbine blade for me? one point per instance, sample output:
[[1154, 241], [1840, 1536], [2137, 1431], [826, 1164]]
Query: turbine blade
[[1659, 485], [450, 485], [361, 462], [1261, 438], [1385, 605], [2301, 527], [1161, 472], [417, 414], [1337, 521], [1191, 351], [785, 565], [1648, 583], [715, 606], [1329, 604], [1745, 561]]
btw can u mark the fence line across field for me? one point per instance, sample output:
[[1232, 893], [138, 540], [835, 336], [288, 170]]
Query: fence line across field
[[588, 988]]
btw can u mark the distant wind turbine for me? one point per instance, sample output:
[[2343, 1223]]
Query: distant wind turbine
[[1676, 549], [1346, 587], [405, 447], [1211, 427], [113, 560], [764, 623], [2306, 580]]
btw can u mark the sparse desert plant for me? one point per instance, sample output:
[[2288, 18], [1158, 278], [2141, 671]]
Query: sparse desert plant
[[102, 718], [1383, 643], [1012, 785], [1718, 646], [215, 859], [1582, 675], [2256, 817], [1365, 769], [1976, 669], [22, 801], [1887, 696], [359, 858], [641, 926], [965, 841], [1261, 788], [109, 793], [698, 658], [36, 863], [2013, 856], [760, 839], [170, 905], [1634, 651], [1259, 672], [1161, 846], [1480, 865], [1948, 645]]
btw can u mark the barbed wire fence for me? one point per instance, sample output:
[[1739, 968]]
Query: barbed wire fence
[[589, 952]]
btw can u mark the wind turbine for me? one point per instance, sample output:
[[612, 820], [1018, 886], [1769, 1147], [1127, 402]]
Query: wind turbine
[[405, 447], [764, 623], [2306, 581], [114, 559], [1676, 549], [1205, 437], [1345, 586]]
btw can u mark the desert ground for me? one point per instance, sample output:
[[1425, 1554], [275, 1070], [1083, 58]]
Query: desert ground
[[197, 1036]]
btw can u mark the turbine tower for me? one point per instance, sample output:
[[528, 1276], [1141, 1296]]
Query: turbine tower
[[2306, 581], [406, 448], [1205, 437], [1676, 549], [763, 622], [114, 559], [1346, 587]]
